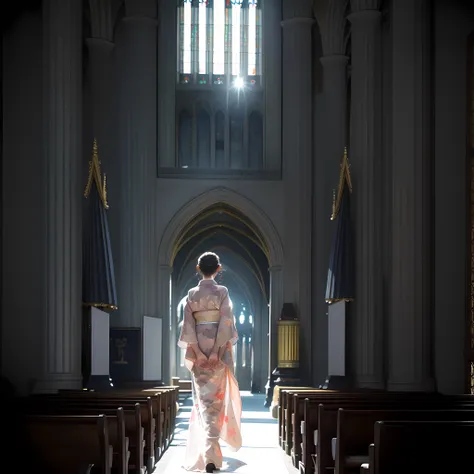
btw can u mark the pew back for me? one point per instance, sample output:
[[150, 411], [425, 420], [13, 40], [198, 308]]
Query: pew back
[[414, 447], [68, 444]]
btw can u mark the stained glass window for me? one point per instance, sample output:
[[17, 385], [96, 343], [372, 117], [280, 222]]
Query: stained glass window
[[220, 42]]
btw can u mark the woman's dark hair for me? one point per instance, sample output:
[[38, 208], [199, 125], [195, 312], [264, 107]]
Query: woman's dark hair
[[208, 263]]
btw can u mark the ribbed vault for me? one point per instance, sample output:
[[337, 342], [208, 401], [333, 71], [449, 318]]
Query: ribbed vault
[[225, 230]]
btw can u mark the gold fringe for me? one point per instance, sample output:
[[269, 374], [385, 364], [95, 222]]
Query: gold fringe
[[344, 176], [335, 300], [95, 175], [101, 305]]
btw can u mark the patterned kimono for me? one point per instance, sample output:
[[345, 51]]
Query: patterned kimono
[[217, 405]]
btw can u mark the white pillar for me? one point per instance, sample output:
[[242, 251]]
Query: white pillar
[[62, 40], [297, 165], [137, 65], [410, 321], [365, 158]]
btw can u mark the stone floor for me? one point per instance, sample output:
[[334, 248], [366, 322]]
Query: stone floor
[[260, 452]]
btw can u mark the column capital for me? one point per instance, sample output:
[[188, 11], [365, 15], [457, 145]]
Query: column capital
[[100, 44], [100, 12], [164, 267], [275, 268], [331, 17]]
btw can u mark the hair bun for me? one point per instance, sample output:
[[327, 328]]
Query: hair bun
[[208, 263]]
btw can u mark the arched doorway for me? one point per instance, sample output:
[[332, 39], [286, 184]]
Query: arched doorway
[[232, 225], [227, 231]]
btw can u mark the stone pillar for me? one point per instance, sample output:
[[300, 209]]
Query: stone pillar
[[170, 336], [62, 40], [297, 164], [99, 83], [365, 155], [331, 129], [137, 65], [411, 313]]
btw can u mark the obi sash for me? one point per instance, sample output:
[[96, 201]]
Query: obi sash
[[210, 316]]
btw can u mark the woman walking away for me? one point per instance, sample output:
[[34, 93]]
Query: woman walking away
[[208, 334]]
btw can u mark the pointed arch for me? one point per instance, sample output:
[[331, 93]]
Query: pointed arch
[[231, 198]]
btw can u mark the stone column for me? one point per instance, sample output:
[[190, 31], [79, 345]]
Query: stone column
[[365, 155], [331, 129], [297, 164], [411, 313], [170, 336], [137, 65], [99, 83], [62, 40]]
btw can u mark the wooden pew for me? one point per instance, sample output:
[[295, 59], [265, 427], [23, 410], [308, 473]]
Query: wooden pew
[[170, 399], [165, 401], [290, 406], [286, 410], [277, 398], [415, 447], [147, 431], [294, 429], [116, 427], [322, 418], [157, 412], [328, 416], [68, 444], [355, 431], [293, 432]]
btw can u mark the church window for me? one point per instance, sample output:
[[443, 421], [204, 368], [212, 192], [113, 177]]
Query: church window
[[220, 98], [220, 42]]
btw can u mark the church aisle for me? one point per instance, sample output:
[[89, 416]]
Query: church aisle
[[260, 452]]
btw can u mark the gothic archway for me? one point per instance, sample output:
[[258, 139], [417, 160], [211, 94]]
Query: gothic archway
[[266, 237]]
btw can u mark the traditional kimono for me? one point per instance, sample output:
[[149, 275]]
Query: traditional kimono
[[217, 407]]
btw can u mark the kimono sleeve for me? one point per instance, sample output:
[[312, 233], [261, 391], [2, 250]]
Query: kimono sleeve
[[188, 331], [226, 333]]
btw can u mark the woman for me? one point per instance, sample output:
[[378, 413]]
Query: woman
[[208, 334]]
